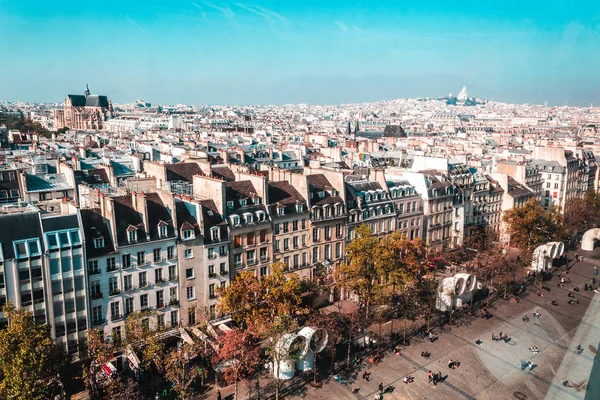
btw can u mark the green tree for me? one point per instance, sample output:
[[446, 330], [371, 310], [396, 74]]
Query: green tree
[[531, 225], [30, 364]]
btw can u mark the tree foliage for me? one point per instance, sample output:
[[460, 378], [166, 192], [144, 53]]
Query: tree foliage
[[361, 272], [178, 370], [583, 214], [239, 356], [531, 225], [141, 335], [30, 364], [255, 303]]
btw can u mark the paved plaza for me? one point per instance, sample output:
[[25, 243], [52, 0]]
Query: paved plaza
[[493, 370]]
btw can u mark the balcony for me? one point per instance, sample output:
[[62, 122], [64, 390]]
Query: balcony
[[172, 278], [212, 275], [111, 269], [94, 271], [224, 273], [143, 285], [129, 288], [264, 259], [161, 281], [97, 295], [252, 261], [114, 292], [174, 302], [127, 266], [212, 296], [97, 322], [212, 256]]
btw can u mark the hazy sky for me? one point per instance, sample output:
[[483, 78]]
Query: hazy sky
[[310, 51]]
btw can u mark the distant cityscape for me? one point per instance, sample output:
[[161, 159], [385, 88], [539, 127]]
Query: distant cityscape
[[116, 208]]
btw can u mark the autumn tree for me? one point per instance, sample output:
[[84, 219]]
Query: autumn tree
[[255, 303], [30, 364], [531, 225], [482, 238], [142, 335], [177, 369], [333, 325], [239, 356], [99, 352], [123, 388], [361, 272], [582, 214]]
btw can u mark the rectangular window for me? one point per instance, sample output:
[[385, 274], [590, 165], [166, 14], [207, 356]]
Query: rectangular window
[[192, 316], [264, 271], [52, 240], [143, 301], [143, 279], [189, 273], [156, 255], [172, 272], [295, 225], [286, 244], [222, 269], [115, 312], [211, 291], [250, 238], [160, 299], [295, 242], [111, 264], [127, 282], [276, 245], [132, 236], [113, 286], [263, 254], [97, 315], [129, 308], [174, 320], [158, 275], [211, 270], [93, 268], [171, 252], [189, 253], [338, 250], [190, 292], [237, 241], [141, 258], [126, 260]]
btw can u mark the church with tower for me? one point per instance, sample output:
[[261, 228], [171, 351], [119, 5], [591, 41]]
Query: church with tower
[[83, 112]]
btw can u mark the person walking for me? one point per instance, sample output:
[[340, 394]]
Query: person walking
[[381, 387], [430, 376], [596, 271], [218, 395]]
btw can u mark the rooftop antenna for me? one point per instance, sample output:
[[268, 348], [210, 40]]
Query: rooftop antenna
[[87, 90]]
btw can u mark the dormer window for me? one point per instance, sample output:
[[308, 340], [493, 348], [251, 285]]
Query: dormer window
[[321, 194], [235, 220], [260, 216], [335, 192], [367, 197], [256, 200], [280, 211], [374, 196], [383, 195], [132, 236], [187, 234], [99, 243], [300, 208], [249, 218], [243, 202], [215, 233], [230, 204], [162, 229]]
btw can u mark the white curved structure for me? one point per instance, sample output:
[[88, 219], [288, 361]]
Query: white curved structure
[[544, 254], [317, 340], [455, 291], [589, 238], [289, 348]]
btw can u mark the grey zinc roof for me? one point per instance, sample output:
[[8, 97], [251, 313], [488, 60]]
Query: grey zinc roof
[[17, 227], [92, 100], [46, 183], [50, 224]]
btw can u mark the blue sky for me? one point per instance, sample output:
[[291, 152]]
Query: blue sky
[[287, 51]]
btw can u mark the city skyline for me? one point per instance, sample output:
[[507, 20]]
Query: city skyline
[[202, 52]]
